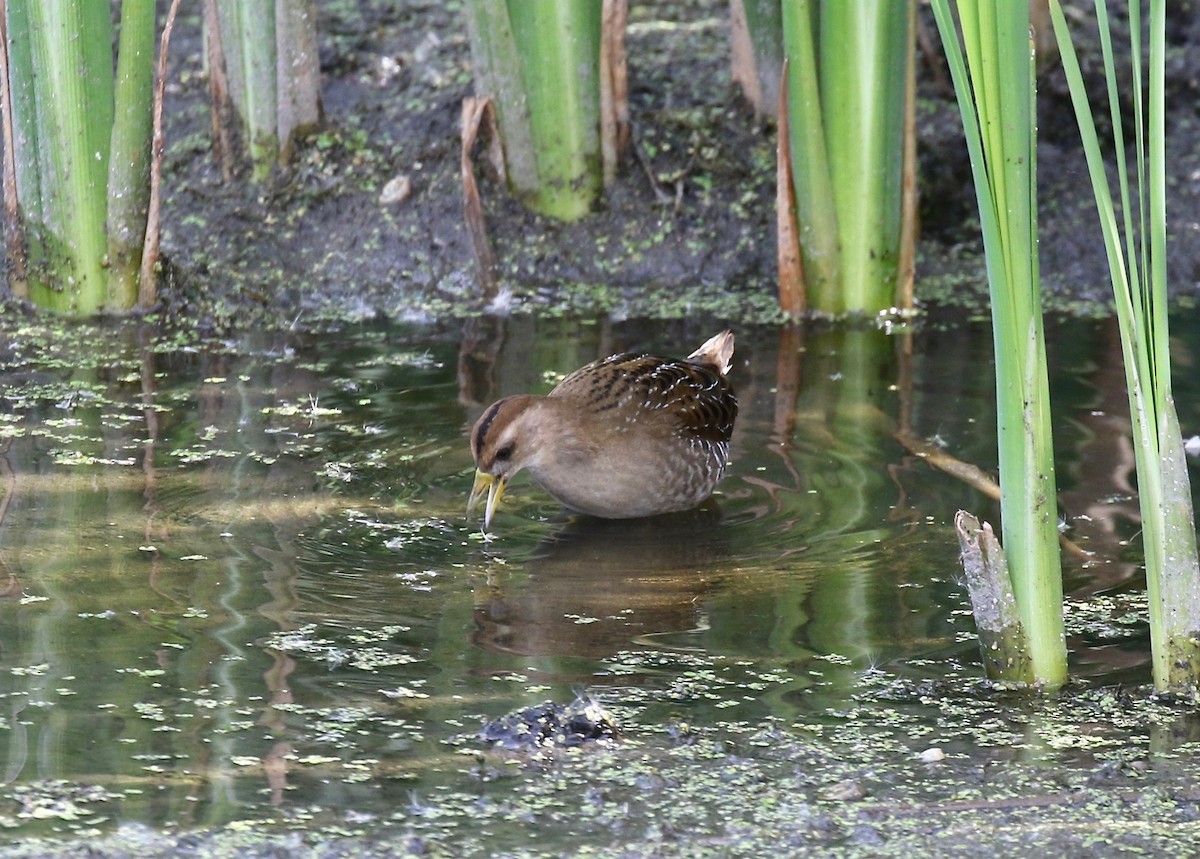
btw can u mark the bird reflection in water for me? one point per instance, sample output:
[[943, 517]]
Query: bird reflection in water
[[598, 586]]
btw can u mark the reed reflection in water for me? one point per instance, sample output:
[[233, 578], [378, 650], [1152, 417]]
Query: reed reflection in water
[[239, 577]]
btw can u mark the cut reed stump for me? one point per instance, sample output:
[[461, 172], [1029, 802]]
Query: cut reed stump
[[1003, 643]]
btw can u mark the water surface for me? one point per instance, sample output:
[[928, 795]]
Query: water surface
[[237, 583]]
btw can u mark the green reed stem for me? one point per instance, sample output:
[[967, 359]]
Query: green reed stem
[[81, 150], [248, 37], [994, 83], [1135, 243], [269, 54], [129, 161], [811, 175], [62, 148], [846, 98], [540, 63]]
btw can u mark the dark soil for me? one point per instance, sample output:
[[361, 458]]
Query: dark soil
[[316, 243]]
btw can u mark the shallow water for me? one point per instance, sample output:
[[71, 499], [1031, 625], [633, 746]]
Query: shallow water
[[237, 583]]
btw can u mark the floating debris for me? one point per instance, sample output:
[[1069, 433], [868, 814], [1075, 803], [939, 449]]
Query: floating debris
[[549, 724]]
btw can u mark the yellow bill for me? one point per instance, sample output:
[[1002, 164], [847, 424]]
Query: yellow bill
[[494, 487]]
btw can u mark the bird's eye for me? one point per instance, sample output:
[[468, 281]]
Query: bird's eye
[[505, 453]]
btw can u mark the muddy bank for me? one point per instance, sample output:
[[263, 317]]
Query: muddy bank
[[688, 229]]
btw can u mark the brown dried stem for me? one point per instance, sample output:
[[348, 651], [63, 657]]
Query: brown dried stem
[[614, 87], [906, 262], [793, 297], [220, 102], [14, 227], [475, 111], [148, 277]]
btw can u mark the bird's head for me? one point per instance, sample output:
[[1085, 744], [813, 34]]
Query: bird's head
[[502, 444]]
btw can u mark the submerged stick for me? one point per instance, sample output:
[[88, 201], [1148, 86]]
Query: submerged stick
[[1003, 643], [971, 475]]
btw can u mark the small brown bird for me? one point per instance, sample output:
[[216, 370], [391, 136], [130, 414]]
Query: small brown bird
[[626, 436]]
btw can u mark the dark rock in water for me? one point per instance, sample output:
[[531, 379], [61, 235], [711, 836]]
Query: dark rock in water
[[549, 724]]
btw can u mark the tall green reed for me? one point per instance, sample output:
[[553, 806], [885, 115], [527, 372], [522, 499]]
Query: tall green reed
[[540, 63], [78, 165], [993, 73], [847, 72], [266, 54], [1135, 235]]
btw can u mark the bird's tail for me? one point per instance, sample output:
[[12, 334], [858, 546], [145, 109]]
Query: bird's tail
[[717, 352]]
